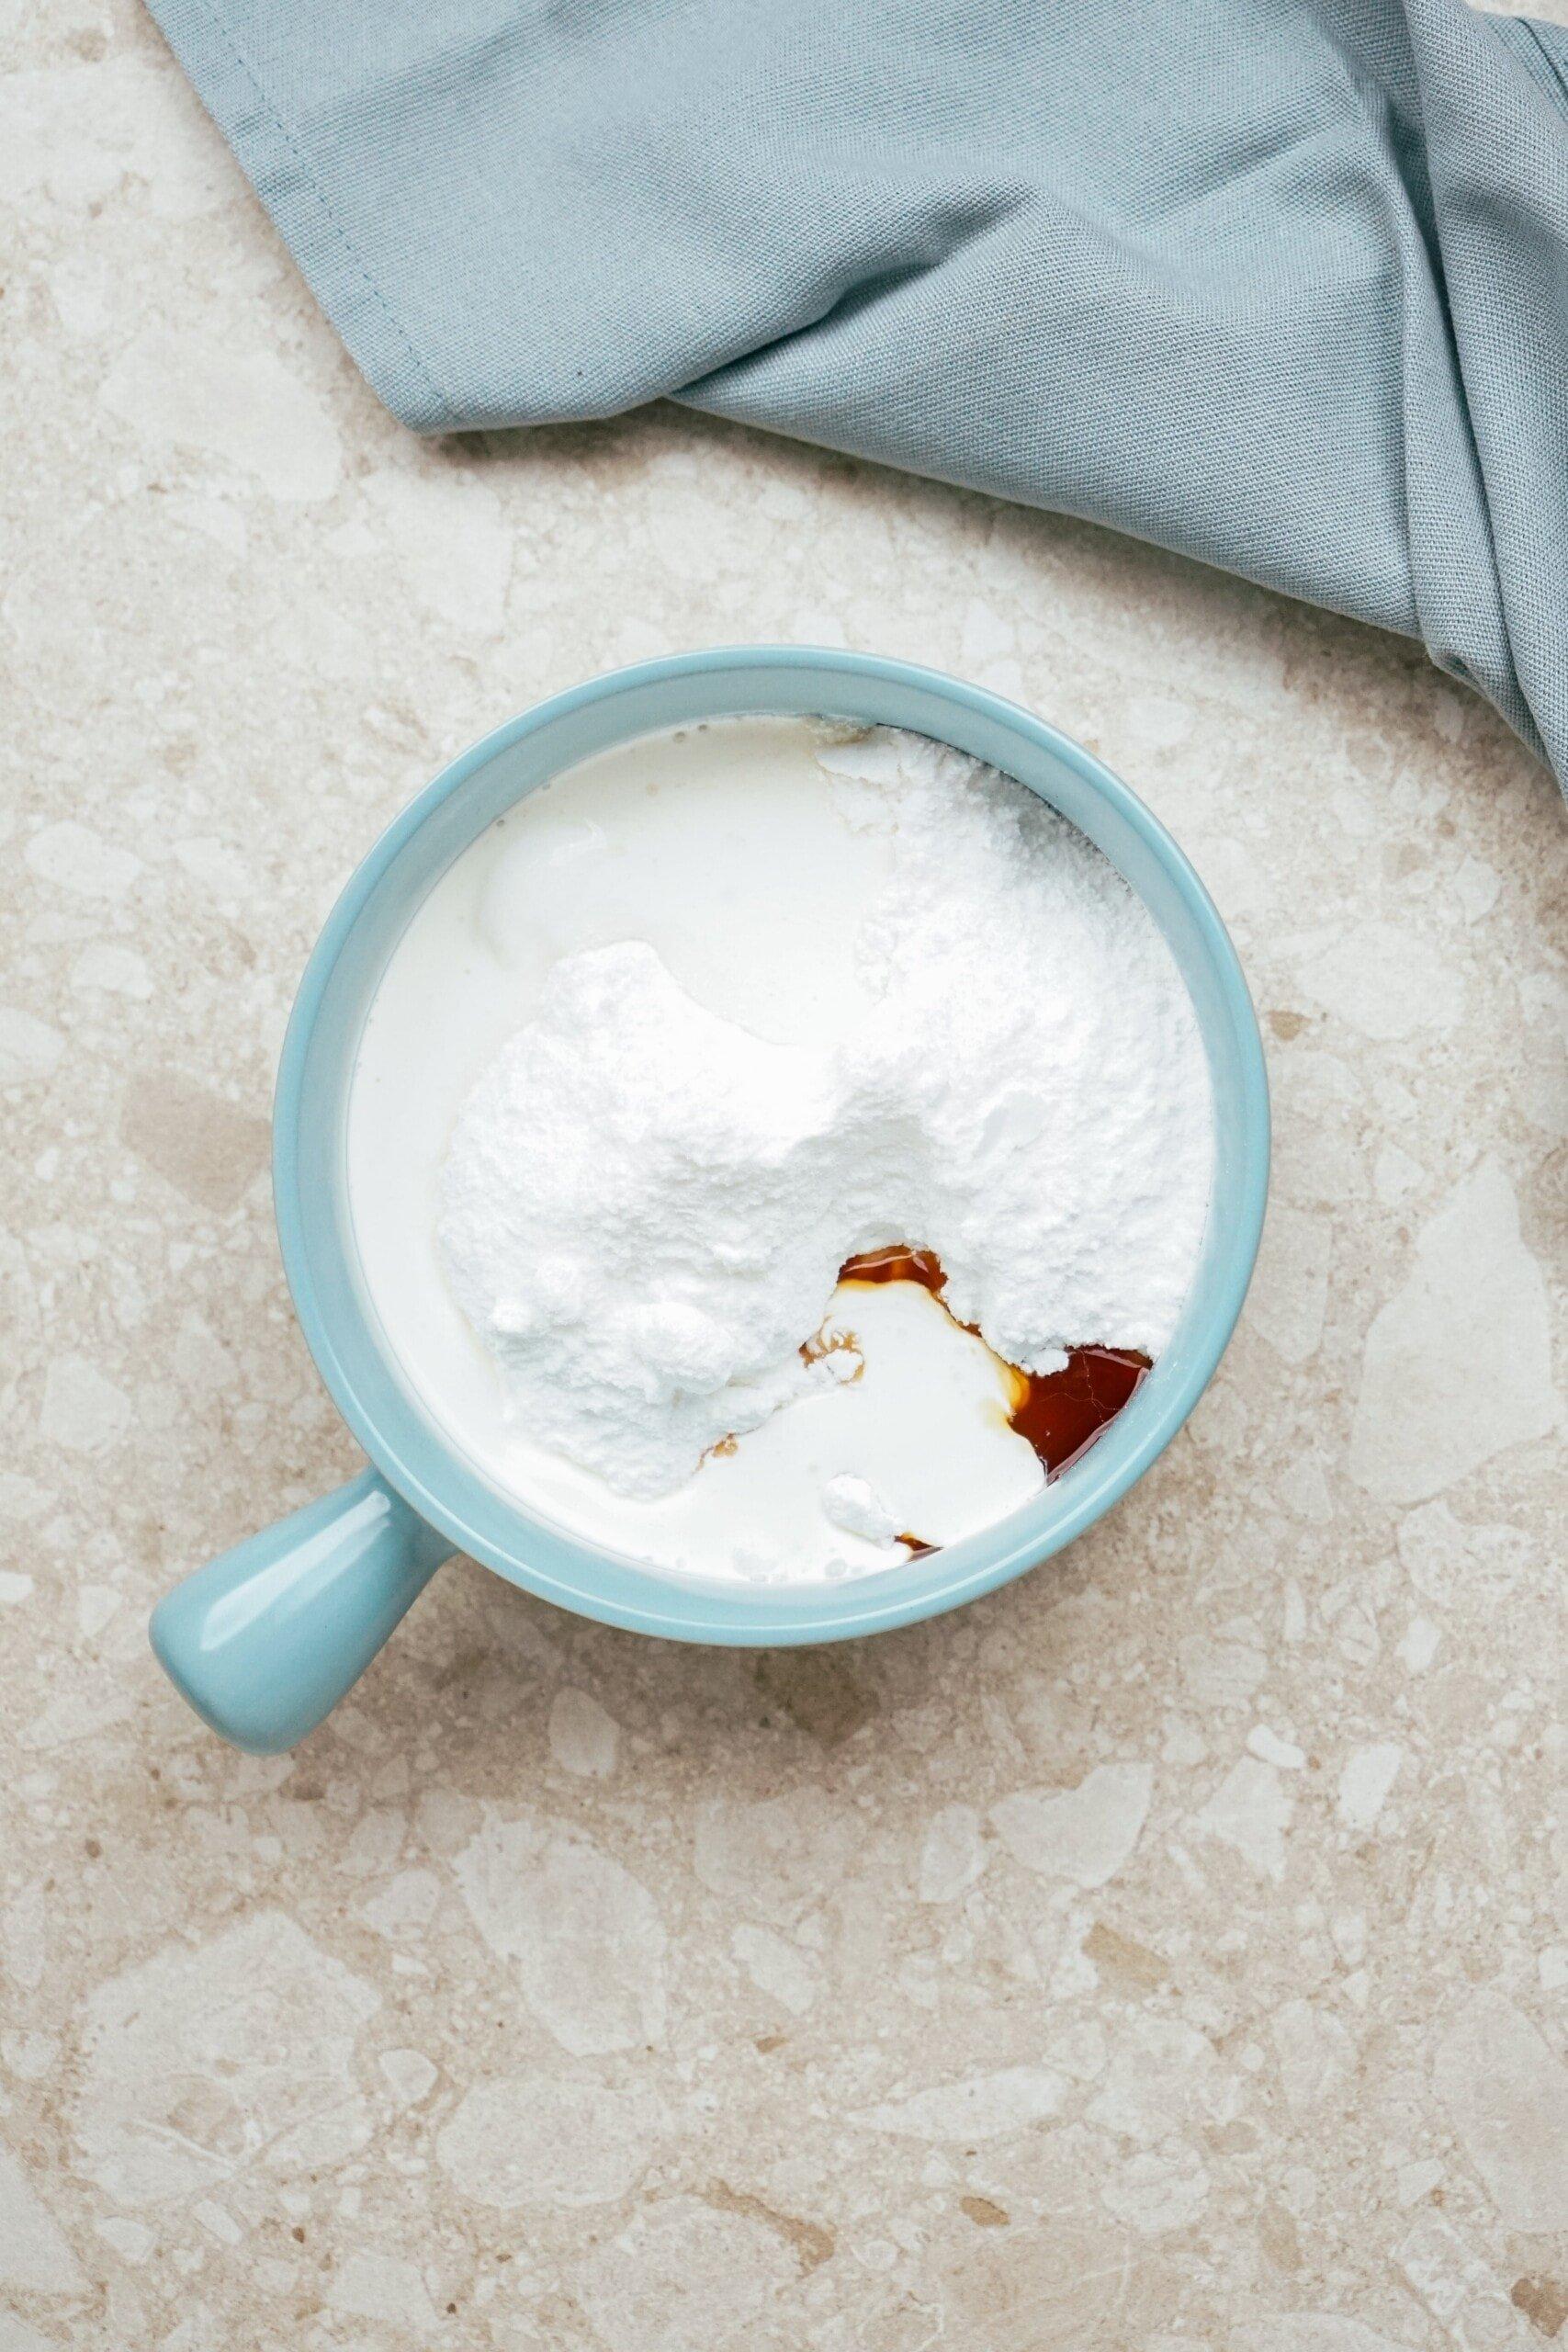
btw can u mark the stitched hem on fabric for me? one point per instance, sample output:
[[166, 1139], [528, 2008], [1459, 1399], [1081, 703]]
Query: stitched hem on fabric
[[288, 184]]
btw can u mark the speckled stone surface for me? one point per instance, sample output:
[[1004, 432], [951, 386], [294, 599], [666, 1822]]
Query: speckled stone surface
[[1159, 1955]]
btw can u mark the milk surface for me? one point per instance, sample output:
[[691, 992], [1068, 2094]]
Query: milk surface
[[726, 847]]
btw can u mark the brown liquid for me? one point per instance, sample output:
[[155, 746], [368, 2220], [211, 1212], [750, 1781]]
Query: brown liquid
[[896, 1263], [1061, 1413]]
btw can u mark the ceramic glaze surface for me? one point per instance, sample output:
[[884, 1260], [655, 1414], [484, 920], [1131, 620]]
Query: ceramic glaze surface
[[320, 1055]]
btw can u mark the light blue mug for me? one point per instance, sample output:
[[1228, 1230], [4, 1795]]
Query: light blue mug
[[264, 1641]]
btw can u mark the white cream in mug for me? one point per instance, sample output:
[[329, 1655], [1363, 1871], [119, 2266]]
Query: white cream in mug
[[697, 1024]]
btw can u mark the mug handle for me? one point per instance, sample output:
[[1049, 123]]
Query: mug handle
[[266, 1640]]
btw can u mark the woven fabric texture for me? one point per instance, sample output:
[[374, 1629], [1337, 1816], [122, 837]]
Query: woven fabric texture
[[1282, 284]]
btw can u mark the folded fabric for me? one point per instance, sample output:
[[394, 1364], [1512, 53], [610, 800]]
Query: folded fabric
[[1282, 284]]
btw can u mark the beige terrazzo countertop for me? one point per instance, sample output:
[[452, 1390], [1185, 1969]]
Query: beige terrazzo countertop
[[1159, 1955]]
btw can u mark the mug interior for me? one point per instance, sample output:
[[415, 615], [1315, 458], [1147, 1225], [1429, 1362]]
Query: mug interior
[[310, 1119]]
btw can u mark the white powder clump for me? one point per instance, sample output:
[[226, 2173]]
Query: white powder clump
[[644, 1207], [855, 1505]]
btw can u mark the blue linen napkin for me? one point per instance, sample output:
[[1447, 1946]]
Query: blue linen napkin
[[1282, 284]]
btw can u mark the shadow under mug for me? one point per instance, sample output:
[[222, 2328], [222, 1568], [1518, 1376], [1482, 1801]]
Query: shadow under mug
[[266, 1640]]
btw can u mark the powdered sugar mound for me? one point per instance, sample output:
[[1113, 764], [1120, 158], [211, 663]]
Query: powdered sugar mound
[[635, 1219], [644, 1207]]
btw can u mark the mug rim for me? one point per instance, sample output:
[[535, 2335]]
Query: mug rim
[[775, 1614]]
